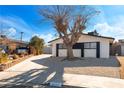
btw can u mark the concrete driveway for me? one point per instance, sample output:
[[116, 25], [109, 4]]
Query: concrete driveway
[[24, 71], [43, 68]]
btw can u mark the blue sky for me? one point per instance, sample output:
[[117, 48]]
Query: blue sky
[[110, 22]]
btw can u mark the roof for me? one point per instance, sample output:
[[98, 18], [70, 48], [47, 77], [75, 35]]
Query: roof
[[14, 40], [18, 41], [88, 35], [121, 40]]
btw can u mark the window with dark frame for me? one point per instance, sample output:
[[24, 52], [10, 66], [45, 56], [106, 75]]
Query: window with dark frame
[[90, 45], [62, 46], [87, 45]]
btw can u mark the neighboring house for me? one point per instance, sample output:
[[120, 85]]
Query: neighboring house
[[121, 42], [11, 45], [88, 45], [116, 49], [3, 47], [47, 50], [22, 50]]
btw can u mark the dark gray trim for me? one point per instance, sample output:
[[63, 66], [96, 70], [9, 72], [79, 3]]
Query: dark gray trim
[[57, 50], [98, 49], [110, 49], [82, 50]]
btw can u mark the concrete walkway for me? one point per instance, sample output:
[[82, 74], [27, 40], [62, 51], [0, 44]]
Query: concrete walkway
[[92, 81], [21, 68]]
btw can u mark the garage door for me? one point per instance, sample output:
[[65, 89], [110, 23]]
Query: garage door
[[122, 50], [85, 49], [63, 52], [90, 49], [90, 53]]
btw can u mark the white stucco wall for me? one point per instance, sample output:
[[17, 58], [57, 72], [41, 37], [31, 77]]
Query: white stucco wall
[[104, 49], [54, 49], [104, 44]]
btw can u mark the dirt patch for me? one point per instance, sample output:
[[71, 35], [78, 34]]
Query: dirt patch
[[96, 71], [121, 60]]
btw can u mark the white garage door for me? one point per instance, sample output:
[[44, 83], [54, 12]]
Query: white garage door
[[122, 50], [90, 53], [77, 52], [63, 52]]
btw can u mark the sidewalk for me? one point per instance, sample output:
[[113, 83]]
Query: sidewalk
[[92, 81]]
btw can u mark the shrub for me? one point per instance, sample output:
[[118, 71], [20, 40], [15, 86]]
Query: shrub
[[37, 44], [3, 58]]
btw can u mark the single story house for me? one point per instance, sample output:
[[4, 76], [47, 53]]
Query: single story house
[[88, 45], [47, 50], [121, 42], [24, 50], [11, 45]]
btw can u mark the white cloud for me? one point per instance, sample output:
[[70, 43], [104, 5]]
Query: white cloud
[[116, 29], [9, 32], [12, 31], [15, 22], [47, 37]]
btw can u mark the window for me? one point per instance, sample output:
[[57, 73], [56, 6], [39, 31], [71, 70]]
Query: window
[[93, 45], [90, 45], [62, 46], [86, 45]]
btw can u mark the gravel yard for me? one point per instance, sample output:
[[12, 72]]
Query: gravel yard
[[89, 66]]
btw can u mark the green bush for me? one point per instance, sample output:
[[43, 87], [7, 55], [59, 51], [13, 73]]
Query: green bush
[[3, 58], [37, 44]]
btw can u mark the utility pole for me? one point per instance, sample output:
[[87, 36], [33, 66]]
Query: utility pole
[[21, 35]]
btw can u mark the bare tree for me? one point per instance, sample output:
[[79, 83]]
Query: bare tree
[[69, 22]]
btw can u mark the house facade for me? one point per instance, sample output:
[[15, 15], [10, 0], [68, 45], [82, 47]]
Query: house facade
[[11, 45], [121, 42], [88, 45]]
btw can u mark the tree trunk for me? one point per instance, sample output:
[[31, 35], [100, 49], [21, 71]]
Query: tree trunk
[[70, 52]]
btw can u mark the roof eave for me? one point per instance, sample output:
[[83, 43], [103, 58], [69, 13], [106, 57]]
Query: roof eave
[[88, 35]]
